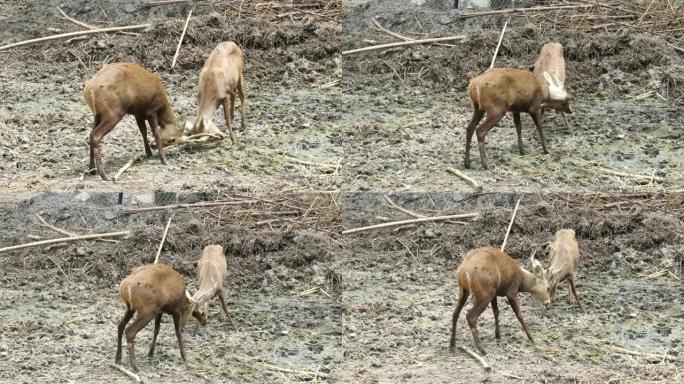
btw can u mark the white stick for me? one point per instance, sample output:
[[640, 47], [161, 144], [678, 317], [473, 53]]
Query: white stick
[[63, 240], [477, 357], [173, 63], [125, 167], [496, 52], [410, 221], [128, 373], [465, 177], [503, 245], [166, 230], [402, 43], [71, 34]]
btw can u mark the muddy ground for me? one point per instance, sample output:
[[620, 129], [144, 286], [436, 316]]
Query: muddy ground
[[400, 291], [408, 108], [60, 306], [291, 120]]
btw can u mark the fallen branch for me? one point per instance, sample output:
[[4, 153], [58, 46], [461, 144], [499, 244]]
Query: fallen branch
[[523, 10], [161, 244], [63, 240], [72, 34], [288, 370], [128, 373], [196, 205], [403, 43], [396, 35], [503, 245], [411, 221], [175, 56], [498, 45], [625, 174], [79, 23], [468, 179], [644, 354], [477, 357], [52, 227], [406, 211], [125, 167], [164, 2], [61, 231]]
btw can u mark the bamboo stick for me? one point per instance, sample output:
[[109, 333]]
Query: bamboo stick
[[403, 43], [71, 34], [64, 240], [410, 221], [180, 41]]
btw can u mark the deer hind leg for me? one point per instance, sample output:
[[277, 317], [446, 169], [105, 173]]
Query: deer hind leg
[[462, 298], [227, 111], [92, 169], [479, 305], [139, 323], [122, 326], [105, 126], [470, 129], [143, 131]]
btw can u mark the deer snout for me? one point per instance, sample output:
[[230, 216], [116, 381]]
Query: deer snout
[[547, 305]]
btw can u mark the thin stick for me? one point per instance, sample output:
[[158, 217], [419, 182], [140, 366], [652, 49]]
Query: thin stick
[[164, 2], [80, 23], [125, 167], [465, 177], [496, 51], [411, 221], [477, 357], [288, 370], [161, 244], [63, 240], [196, 205], [403, 43], [175, 56], [72, 34], [128, 373], [52, 227], [523, 10], [503, 245], [406, 211]]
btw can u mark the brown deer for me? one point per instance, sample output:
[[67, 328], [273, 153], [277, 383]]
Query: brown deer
[[563, 261], [148, 292], [123, 89], [551, 62], [212, 272], [486, 273], [501, 90], [220, 78]]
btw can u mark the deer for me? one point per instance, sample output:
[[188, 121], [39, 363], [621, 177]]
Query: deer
[[121, 89], [563, 261], [551, 61], [220, 79], [498, 91], [148, 292], [212, 273], [487, 273]]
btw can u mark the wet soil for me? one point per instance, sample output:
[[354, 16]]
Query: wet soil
[[408, 108], [44, 122], [60, 306], [400, 291]]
